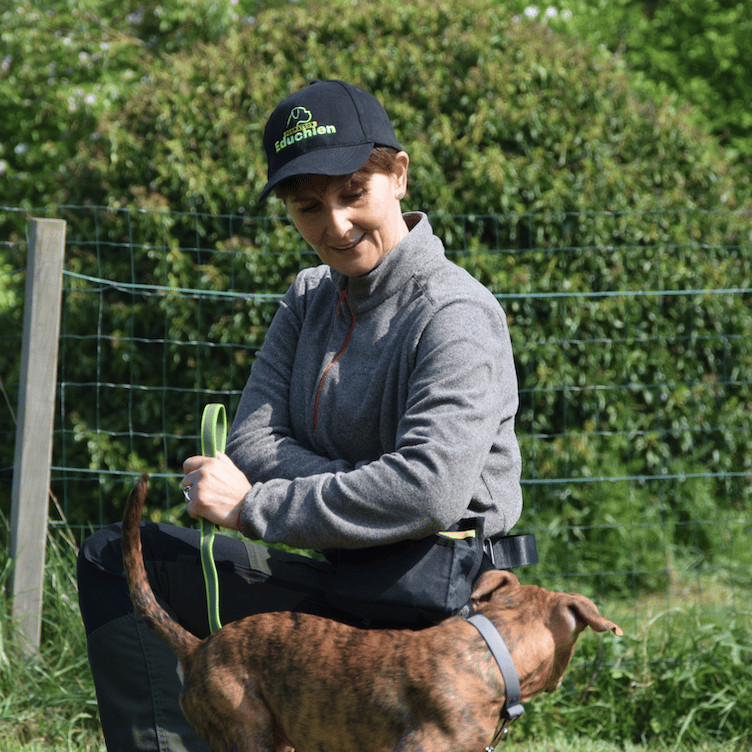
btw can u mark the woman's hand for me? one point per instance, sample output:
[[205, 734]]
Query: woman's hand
[[215, 489]]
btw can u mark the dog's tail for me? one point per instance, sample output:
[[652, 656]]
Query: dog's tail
[[180, 640]]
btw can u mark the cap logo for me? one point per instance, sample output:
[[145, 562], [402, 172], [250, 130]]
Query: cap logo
[[299, 115], [301, 125]]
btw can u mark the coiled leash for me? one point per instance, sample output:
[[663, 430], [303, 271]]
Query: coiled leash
[[213, 440]]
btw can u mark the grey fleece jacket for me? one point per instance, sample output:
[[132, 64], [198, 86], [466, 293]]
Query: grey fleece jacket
[[380, 407]]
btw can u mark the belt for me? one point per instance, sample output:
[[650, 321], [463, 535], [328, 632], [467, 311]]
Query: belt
[[510, 551]]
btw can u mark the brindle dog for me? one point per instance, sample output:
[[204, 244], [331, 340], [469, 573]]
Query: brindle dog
[[280, 680]]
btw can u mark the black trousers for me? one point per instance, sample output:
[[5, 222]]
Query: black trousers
[[135, 674], [252, 577]]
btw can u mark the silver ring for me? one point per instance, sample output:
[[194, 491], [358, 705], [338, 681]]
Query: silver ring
[[186, 491]]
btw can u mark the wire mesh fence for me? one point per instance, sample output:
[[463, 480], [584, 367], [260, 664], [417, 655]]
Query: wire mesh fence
[[632, 334]]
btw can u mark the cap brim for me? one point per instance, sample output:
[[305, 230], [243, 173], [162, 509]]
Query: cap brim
[[339, 160]]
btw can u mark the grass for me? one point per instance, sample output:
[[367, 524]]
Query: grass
[[680, 679], [47, 700]]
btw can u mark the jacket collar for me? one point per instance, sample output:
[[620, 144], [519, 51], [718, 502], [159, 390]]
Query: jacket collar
[[399, 266]]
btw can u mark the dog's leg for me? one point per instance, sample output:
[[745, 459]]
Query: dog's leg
[[222, 697]]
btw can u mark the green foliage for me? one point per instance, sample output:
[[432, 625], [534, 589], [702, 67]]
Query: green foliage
[[47, 699], [606, 225], [680, 682], [509, 117], [696, 51], [633, 385], [179, 24], [66, 65], [60, 68]]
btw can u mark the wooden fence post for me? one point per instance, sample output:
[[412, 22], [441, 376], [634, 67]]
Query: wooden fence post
[[36, 414]]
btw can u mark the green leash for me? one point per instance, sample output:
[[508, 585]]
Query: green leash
[[213, 439]]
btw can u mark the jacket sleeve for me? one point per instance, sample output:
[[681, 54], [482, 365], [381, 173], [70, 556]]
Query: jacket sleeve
[[261, 441], [462, 390]]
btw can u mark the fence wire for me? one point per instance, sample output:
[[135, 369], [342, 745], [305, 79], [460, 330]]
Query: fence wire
[[632, 334]]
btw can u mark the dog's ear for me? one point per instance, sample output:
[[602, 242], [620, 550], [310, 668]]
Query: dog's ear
[[492, 581], [581, 611]]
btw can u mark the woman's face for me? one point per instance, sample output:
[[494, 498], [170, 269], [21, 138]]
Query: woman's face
[[351, 222]]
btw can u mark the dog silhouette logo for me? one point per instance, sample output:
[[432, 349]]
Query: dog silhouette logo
[[299, 115]]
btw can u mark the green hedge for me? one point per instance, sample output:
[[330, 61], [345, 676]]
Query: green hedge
[[503, 116], [545, 174], [695, 52]]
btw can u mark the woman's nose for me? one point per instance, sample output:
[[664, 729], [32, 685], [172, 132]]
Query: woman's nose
[[339, 223]]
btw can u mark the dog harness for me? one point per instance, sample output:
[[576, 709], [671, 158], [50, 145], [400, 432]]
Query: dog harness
[[513, 707]]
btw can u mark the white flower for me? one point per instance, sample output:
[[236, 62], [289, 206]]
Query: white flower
[[532, 11], [551, 12]]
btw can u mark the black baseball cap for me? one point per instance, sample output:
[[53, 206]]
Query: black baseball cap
[[328, 128]]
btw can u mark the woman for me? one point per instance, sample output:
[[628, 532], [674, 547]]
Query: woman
[[379, 412]]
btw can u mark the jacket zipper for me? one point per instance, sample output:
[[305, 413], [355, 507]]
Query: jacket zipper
[[342, 296]]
